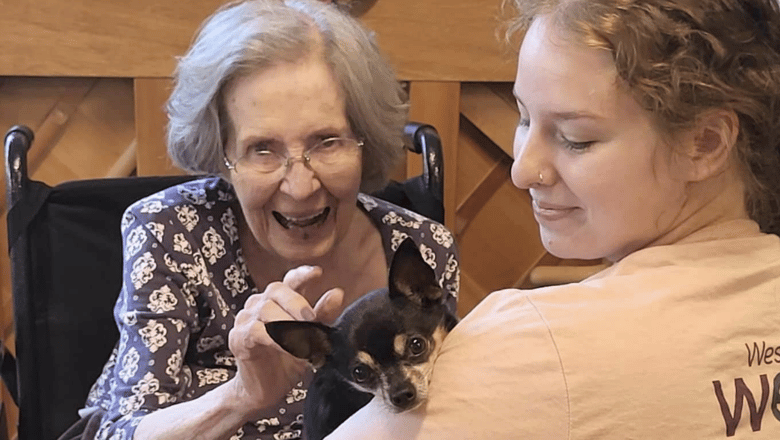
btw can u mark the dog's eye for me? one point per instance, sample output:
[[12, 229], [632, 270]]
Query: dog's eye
[[417, 346], [361, 373]]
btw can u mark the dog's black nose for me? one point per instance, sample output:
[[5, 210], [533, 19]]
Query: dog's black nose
[[403, 397]]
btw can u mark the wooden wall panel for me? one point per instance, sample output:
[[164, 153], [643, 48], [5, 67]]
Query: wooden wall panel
[[94, 136], [491, 107], [97, 134], [150, 121], [502, 243], [425, 39], [471, 292], [29, 100], [106, 38], [442, 40]]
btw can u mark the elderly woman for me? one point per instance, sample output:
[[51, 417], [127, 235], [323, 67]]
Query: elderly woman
[[291, 105]]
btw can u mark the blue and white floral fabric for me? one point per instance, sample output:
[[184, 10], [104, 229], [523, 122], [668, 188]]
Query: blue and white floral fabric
[[184, 281]]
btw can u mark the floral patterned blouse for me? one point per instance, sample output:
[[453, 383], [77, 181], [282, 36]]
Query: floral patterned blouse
[[184, 281]]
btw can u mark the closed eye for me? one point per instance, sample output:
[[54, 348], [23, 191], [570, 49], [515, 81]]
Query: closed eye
[[261, 147], [577, 146], [319, 136], [330, 142]]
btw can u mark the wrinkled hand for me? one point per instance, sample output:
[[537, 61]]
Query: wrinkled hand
[[265, 371]]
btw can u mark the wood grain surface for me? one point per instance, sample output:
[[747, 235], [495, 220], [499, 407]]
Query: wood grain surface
[[441, 40]]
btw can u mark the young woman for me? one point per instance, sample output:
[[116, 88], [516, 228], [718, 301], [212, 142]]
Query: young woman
[[649, 135]]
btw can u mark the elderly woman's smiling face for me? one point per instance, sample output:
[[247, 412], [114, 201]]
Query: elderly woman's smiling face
[[299, 212]]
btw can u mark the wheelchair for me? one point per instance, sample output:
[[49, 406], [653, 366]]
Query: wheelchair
[[66, 272]]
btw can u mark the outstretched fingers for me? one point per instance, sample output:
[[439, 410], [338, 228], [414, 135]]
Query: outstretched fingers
[[328, 307], [281, 302], [296, 278]]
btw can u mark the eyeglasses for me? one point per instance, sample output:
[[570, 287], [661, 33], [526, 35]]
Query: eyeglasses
[[333, 152]]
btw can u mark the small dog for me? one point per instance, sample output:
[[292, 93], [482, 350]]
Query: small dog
[[383, 345]]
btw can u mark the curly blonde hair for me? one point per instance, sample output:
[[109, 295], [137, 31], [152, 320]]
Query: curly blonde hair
[[681, 58]]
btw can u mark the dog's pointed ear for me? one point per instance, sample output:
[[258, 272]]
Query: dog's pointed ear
[[412, 277], [302, 339]]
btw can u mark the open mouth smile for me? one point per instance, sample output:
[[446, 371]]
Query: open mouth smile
[[291, 222]]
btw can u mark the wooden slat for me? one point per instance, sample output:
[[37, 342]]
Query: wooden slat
[[437, 103], [492, 109], [478, 197], [449, 40], [543, 259], [471, 293], [97, 134], [150, 120], [425, 39], [53, 126], [107, 38], [502, 241], [126, 164]]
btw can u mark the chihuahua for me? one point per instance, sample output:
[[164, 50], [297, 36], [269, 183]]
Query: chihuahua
[[384, 344]]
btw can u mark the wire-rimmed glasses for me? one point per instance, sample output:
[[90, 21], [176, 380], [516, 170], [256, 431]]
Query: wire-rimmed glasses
[[329, 153]]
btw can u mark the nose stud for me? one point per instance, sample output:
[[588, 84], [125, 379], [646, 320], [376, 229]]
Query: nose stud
[[541, 178]]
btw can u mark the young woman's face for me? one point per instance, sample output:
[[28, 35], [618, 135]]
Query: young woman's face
[[298, 213], [601, 178]]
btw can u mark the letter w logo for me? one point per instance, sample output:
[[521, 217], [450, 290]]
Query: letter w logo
[[742, 393]]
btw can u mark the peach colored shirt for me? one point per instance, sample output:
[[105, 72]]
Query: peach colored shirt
[[672, 342]]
